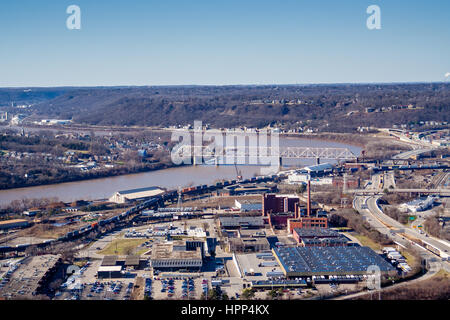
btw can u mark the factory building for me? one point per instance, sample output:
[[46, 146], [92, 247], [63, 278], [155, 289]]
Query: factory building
[[246, 206], [248, 244], [305, 219], [326, 261], [237, 222], [238, 189], [307, 223], [109, 272], [113, 265], [319, 237], [177, 255], [302, 178], [273, 203], [319, 169], [126, 196], [280, 220]]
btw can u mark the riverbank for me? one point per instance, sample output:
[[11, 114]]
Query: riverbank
[[313, 140], [167, 176], [91, 176]]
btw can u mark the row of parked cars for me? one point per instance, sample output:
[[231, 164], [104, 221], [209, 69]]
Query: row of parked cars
[[168, 285], [148, 288], [188, 287], [205, 286]]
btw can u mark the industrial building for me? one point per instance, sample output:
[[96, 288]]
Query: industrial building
[[326, 261], [237, 222], [307, 223], [280, 220], [274, 203], [109, 272], [14, 223], [319, 237], [248, 244], [277, 284], [126, 196], [318, 169], [131, 261], [246, 206], [303, 178], [304, 219], [176, 255], [286, 212], [112, 266], [238, 189]]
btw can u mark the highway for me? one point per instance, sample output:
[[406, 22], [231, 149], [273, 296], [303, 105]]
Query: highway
[[368, 208], [370, 203], [442, 192], [378, 213]]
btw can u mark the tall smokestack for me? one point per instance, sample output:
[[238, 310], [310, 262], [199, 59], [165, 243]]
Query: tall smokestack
[[308, 208]]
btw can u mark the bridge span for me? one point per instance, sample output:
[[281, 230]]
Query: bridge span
[[229, 155]]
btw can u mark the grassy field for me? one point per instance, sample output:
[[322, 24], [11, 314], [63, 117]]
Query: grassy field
[[122, 246], [367, 242]]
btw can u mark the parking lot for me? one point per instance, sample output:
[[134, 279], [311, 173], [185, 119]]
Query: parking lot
[[179, 289], [22, 279]]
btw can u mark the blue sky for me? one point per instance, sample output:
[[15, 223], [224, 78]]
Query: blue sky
[[170, 42]]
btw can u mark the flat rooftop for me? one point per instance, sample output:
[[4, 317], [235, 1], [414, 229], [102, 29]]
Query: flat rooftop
[[109, 268], [164, 251], [317, 233], [139, 190], [109, 261], [141, 193], [132, 260], [239, 221], [306, 261]]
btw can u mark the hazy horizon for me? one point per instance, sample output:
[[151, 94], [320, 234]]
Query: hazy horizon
[[225, 85]]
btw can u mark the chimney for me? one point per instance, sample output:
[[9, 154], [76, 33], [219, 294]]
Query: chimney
[[309, 199]]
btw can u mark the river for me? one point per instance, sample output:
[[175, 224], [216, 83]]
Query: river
[[168, 178]]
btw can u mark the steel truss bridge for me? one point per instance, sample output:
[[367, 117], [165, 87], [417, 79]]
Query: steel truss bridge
[[187, 151]]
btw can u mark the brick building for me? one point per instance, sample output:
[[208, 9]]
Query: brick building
[[272, 203]]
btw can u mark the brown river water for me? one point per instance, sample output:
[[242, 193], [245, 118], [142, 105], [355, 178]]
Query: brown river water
[[171, 178]]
